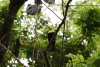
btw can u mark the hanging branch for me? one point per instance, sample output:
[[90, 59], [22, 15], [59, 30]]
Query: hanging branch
[[33, 51], [35, 38], [63, 37], [60, 57], [63, 27], [48, 46], [63, 7]]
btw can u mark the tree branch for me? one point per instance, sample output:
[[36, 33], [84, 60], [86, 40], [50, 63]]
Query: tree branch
[[60, 57], [48, 46], [12, 54], [63, 21], [14, 6]]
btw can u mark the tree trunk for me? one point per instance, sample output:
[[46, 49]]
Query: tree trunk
[[7, 26]]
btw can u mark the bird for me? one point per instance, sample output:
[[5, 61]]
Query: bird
[[16, 47], [50, 35]]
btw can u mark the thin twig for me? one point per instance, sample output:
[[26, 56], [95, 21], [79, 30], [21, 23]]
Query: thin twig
[[63, 7], [35, 39], [63, 37], [52, 11], [46, 58], [12, 54], [4, 37], [60, 57], [63, 27]]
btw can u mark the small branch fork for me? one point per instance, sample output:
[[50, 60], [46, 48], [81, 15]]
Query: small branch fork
[[48, 46]]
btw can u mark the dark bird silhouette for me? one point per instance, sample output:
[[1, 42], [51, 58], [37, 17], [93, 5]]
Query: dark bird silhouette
[[16, 47], [50, 35]]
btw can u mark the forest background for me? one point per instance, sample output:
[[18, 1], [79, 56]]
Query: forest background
[[24, 37]]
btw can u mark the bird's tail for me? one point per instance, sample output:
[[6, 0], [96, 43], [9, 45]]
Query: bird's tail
[[53, 47]]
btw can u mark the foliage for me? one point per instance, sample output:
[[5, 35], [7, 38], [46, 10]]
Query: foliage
[[3, 9], [81, 37], [94, 60]]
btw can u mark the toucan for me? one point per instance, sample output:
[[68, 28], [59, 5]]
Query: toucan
[[50, 35]]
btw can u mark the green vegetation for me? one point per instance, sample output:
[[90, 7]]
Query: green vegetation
[[77, 42]]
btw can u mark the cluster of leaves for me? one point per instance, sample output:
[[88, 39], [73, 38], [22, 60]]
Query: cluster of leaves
[[94, 60], [89, 21], [87, 24]]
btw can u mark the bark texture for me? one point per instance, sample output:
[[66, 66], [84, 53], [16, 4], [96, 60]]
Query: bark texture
[[7, 26]]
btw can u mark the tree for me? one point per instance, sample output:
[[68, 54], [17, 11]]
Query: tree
[[7, 26]]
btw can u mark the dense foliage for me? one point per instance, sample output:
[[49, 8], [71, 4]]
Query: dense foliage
[[77, 42]]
